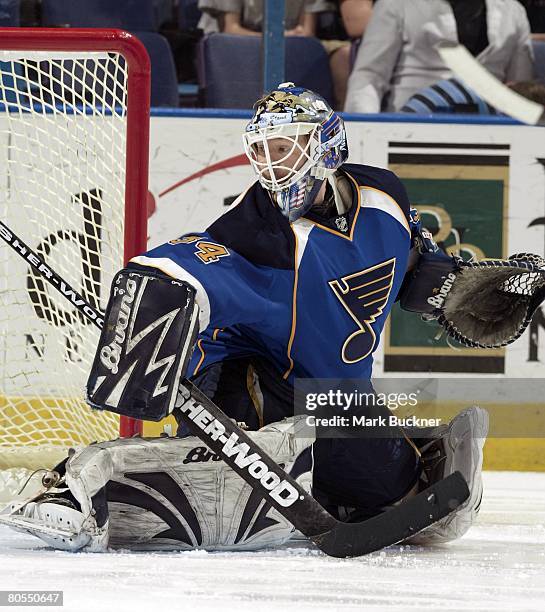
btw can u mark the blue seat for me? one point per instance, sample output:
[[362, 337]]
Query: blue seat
[[125, 14], [539, 61], [188, 15], [307, 65], [164, 83], [230, 69], [9, 13], [13, 89], [164, 86]]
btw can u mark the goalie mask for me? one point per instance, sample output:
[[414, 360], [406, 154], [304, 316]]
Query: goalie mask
[[294, 142]]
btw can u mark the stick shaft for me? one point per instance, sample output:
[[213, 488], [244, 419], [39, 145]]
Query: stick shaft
[[38, 264]]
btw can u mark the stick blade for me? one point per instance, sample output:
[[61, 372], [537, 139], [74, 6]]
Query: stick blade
[[397, 524]]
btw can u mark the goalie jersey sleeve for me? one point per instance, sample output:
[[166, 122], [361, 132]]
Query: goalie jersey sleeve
[[311, 296], [229, 290]]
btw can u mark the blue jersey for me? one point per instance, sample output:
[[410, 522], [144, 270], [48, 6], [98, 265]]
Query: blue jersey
[[311, 296]]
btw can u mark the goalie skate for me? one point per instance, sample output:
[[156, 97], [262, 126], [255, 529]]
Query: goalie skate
[[446, 449], [57, 522]]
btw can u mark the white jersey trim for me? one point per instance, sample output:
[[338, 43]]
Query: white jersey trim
[[175, 271], [302, 229], [375, 198]]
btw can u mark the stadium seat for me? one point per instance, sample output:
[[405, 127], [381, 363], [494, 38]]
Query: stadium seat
[[188, 15], [126, 14], [10, 84], [230, 69], [164, 84], [9, 13], [539, 61]]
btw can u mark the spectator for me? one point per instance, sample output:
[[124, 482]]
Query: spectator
[[452, 96], [355, 16], [535, 10], [351, 20], [245, 17], [398, 54], [533, 90], [30, 11], [447, 96]]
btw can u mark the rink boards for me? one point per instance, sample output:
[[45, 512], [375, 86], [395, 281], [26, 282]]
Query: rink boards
[[480, 188]]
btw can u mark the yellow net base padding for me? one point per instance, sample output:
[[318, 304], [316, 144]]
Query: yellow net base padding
[[37, 432]]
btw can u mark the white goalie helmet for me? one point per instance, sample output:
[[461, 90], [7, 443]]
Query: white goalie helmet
[[294, 142]]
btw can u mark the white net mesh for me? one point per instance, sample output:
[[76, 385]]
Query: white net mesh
[[62, 191]]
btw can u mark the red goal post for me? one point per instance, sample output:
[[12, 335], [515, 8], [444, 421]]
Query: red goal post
[[105, 76]]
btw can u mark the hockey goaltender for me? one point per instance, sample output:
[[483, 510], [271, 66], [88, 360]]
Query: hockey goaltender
[[296, 280]]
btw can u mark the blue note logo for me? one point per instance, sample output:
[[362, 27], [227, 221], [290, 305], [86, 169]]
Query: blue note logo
[[364, 296]]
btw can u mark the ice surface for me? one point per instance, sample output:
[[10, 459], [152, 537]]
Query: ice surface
[[498, 565]]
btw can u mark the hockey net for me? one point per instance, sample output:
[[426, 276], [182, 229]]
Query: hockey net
[[74, 114]]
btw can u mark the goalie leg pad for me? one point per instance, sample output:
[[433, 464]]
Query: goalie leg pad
[[148, 336], [175, 494]]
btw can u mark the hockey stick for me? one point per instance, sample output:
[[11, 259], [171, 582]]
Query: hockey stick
[[246, 458], [486, 85]]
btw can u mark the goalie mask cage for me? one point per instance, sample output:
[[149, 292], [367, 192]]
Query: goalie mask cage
[[74, 136]]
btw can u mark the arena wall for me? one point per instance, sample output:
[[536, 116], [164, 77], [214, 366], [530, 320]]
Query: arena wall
[[479, 184]]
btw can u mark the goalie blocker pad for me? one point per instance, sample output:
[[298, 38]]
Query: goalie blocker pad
[[150, 327]]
